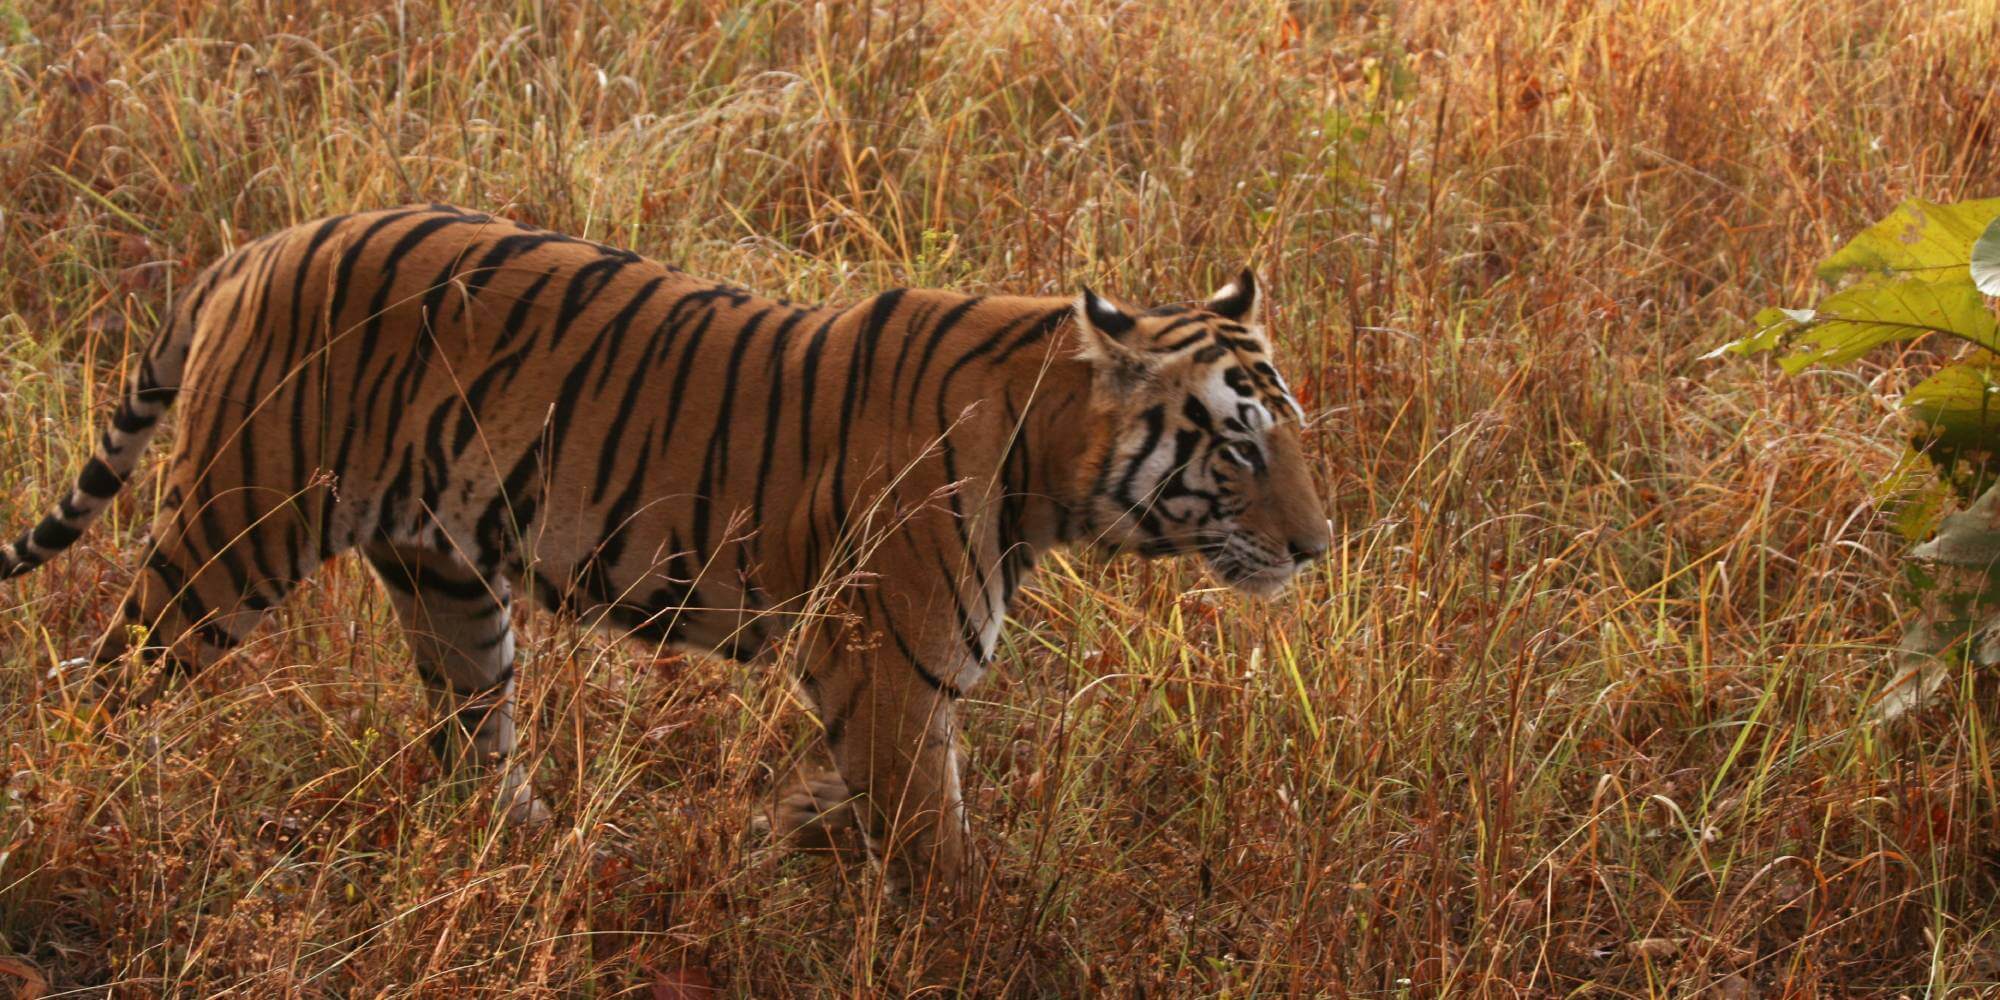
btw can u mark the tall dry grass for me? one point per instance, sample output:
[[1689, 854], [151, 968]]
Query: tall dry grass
[[1579, 706]]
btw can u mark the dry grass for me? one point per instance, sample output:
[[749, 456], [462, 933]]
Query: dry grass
[[1581, 704]]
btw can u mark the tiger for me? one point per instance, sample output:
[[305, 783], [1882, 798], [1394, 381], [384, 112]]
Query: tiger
[[475, 405]]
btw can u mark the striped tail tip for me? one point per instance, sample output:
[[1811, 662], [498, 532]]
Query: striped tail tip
[[16, 559], [54, 534]]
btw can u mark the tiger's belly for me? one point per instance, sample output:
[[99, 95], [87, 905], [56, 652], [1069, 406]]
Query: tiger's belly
[[638, 575]]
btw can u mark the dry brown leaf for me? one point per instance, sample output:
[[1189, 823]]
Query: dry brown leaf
[[33, 985], [1654, 948], [1733, 987], [689, 982]]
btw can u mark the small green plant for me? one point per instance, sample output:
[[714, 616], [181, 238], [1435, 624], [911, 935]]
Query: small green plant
[[1925, 271]]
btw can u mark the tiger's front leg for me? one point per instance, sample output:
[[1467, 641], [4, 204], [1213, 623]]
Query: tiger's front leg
[[894, 737], [458, 629]]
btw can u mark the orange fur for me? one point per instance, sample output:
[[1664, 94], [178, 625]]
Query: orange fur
[[477, 406]]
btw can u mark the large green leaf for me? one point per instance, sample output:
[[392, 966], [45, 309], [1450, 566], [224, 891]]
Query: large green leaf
[[1986, 259], [1919, 240], [1918, 272], [1959, 406], [1857, 319]]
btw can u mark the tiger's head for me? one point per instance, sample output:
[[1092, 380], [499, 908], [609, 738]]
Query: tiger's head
[[1199, 450]]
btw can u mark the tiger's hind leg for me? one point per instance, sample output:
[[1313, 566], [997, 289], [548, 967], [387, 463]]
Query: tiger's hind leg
[[201, 589], [455, 619]]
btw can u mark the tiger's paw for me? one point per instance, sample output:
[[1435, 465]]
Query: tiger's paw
[[518, 804], [814, 811], [95, 692], [529, 813]]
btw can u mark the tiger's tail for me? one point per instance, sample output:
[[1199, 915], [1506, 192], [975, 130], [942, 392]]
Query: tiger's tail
[[148, 394]]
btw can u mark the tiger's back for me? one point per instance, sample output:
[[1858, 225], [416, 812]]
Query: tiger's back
[[624, 437]]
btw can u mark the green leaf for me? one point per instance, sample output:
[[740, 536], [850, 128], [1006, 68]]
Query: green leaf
[[1925, 500], [1772, 325], [1986, 259], [1919, 239], [1851, 322], [1958, 406], [1915, 492]]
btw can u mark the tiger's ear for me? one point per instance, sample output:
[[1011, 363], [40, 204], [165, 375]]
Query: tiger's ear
[[1236, 300], [1105, 335]]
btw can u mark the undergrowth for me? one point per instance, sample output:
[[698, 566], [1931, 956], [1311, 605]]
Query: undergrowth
[[1580, 705]]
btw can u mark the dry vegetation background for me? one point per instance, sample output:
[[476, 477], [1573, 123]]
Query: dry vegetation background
[[1580, 706]]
